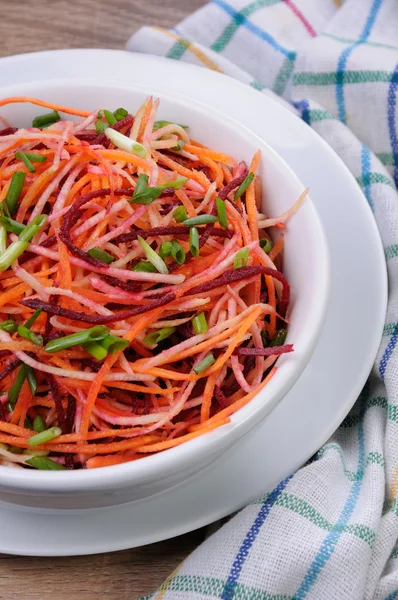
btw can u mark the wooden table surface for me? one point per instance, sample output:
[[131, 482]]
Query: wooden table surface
[[46, 25]]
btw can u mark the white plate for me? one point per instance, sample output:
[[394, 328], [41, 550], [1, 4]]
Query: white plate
[[318, 402]]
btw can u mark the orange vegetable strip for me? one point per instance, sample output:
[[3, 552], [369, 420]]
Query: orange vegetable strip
[[277, 249], [272, 301], [207, 397], [59, 107], [181, 440]]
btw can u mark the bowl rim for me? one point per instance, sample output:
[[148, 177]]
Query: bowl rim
[[127, 474]]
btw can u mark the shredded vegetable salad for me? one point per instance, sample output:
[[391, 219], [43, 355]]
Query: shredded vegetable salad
[[141, 295]]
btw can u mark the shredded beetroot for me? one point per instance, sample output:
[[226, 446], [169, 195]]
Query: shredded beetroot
[[72, 215], [70, 414], [48, 242], [97, 319], [8, 131], [232, 185], [57, 401], [4, 353], [9, 368], [220, 397], [270, 351], [123, 285], [2, 412], [233, 275], [144, 233], [81, 253]]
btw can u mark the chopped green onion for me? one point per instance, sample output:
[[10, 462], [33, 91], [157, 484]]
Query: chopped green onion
[[142, 184], [34, 227], [241, 258], [101, 255], [93, 334], [42, 463], [153, 258], [47, 119], [30, 335], [200, 220], [100, 127], [177, 252], [180, 214], [120, 113], [15, 250], [125, 143], [203, 365], [3, 239], [149, 194], [165, 249], [9, 407], [113, 344], [33, 318], [14, 191], [36, 452], [16, 387], [39, 424], [159, 124], [11, 254], [144, 267], [157, 336], [180, 145], [110, 117], [9, 326], [264, 338], [194, 241], [222, 213], [266, 245], [200, 324], [96, 350], [279, 338], [31, 377], [11, 225], [243, 186], [44, 436], [22, 156], [35, 157]]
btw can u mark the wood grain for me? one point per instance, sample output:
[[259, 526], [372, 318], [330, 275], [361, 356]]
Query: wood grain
[[30, 26]]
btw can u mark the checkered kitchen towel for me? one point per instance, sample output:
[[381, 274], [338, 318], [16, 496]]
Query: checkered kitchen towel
[[330, 531]]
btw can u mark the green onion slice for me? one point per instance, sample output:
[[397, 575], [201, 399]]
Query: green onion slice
[[200, 324], [47, 119], [149, 194], [200, 220], [44, 436], [177, 252], [243, 186], [22, 156], [144, 267], [93, 334], [153, 258], [157, 336], [204, 364], [26, 333], [9, 326], [222, 213], [96, 350], [180, 214], [159, 124], [266, 245], [194, 241], [110, 117], [43, 463], [165, 249], [241, 258], [101, 255], [39, 424], [14, 191], [125, 143]]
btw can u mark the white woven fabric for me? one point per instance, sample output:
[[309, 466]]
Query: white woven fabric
[[330, 531]]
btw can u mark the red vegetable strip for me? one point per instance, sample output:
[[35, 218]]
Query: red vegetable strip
[[270, 351]]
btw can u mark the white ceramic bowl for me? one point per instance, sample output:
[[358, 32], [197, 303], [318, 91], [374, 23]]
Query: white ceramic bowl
[[305, 264]]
